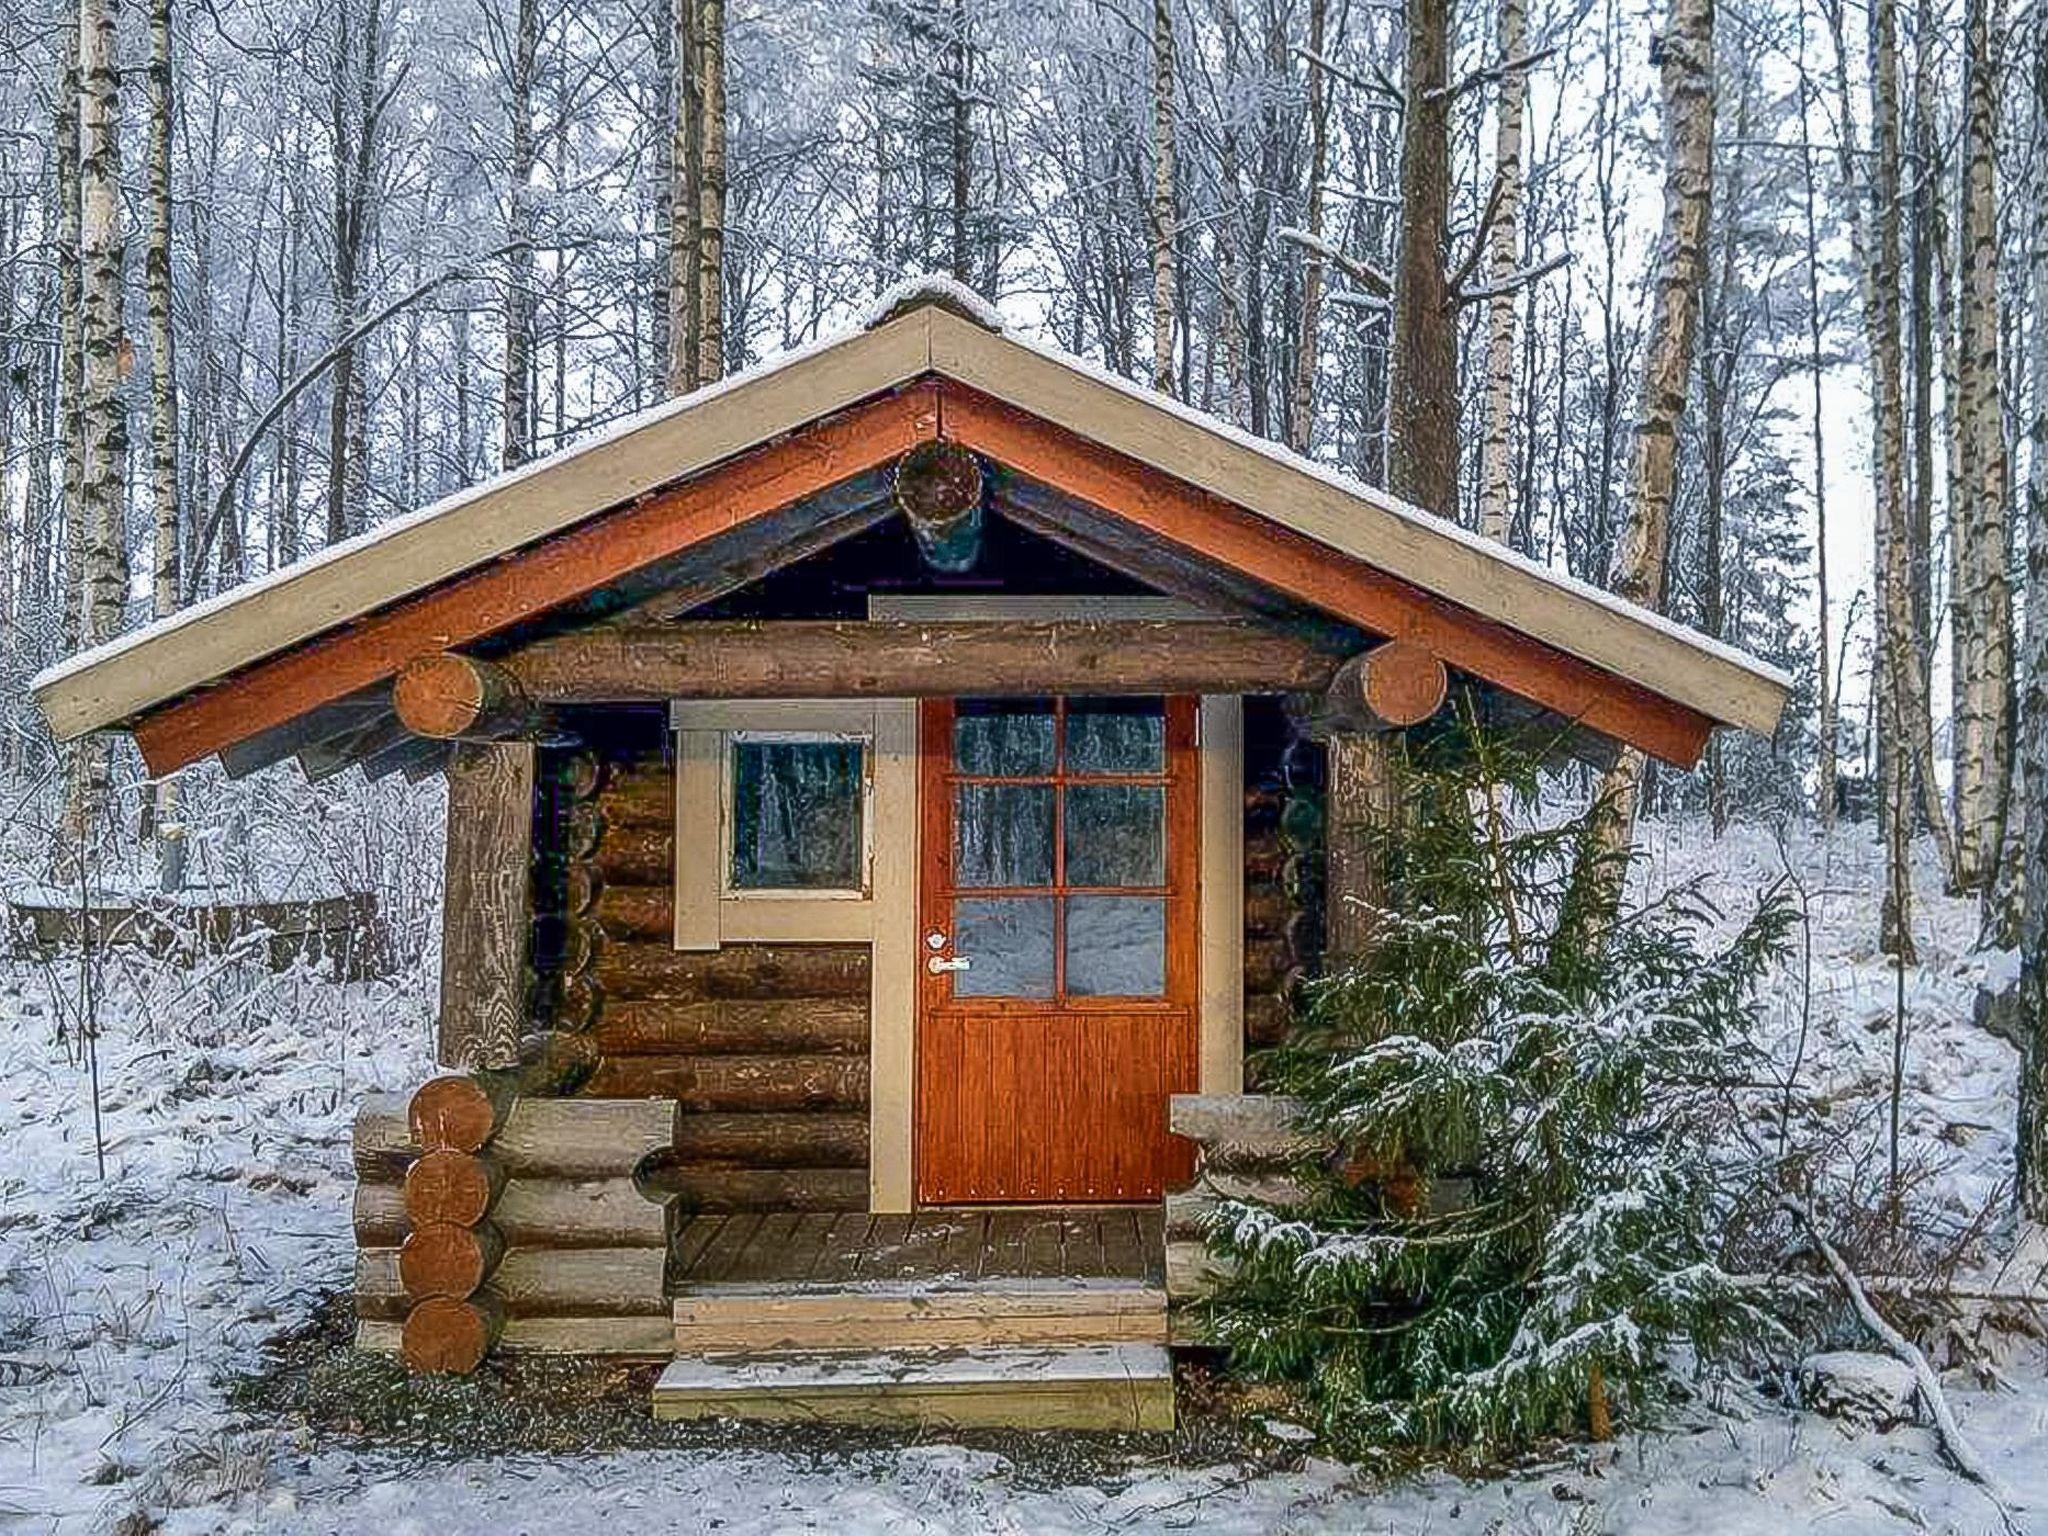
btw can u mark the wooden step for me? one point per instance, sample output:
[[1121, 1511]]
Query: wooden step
[[763, 1319], [1116, 1387]]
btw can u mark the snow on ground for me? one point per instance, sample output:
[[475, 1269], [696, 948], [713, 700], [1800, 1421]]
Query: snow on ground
[[223, 1218]]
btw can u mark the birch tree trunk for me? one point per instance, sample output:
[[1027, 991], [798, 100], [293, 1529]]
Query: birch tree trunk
[[71, 346], [102, 504], [1900, 673], [516, 407], [1422, 384], [1163, 233], [1980, 612], [711, 192], [1503, 256], [2032, 1149], [1301, 405], [166, 573], [1827, 766], [1687, 81], [961, 147]]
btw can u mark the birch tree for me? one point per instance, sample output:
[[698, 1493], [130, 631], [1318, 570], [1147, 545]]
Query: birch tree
[[1301, 414], [2032, 1148], [1686, 75], [1980, 607], [1503, 258], [104, 351], [1162, 231], [166, 570]]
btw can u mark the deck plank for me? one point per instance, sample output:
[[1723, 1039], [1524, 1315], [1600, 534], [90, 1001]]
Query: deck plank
[[691, 1240], [715, 1263], [1123, 1249], [886, 1236]]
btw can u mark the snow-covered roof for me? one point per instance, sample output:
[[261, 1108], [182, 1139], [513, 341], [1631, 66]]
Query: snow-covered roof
[[923, 329]]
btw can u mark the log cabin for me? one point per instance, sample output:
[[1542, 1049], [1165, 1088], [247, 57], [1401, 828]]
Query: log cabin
[[889, 792]]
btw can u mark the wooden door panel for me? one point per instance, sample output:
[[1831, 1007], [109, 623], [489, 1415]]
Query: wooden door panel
[[1032, 1085]]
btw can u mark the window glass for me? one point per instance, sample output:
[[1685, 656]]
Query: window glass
[[1002, 834], [1116, 946], [1007, 943], [1116, 735], [1003, 738], [796, 815], [1116, 834]]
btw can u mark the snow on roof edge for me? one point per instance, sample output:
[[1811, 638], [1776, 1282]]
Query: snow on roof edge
[[284, 575], [1419, 517], [913, 292]]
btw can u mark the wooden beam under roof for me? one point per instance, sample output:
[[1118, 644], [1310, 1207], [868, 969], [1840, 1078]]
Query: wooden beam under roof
[[902, 658]]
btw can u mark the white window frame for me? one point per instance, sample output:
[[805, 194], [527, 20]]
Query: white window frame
[[709, 911]]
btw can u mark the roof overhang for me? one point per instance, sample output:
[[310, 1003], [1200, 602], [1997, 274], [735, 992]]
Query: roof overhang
[[709, 463]]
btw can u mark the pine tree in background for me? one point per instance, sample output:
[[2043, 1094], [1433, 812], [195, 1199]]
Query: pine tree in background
[[1524, 1215]]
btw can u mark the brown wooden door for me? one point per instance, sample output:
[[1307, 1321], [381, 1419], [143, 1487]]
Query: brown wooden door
[[1057, 946]]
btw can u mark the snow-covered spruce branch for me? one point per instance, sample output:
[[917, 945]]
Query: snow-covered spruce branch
[[1958, 1449]]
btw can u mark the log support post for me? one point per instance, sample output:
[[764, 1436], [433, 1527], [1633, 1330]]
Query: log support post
[[487, 914], [1363, 799]]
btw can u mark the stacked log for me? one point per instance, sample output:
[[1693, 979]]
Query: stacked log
[[384, 1151], [1246, 1148], [520, 1225]]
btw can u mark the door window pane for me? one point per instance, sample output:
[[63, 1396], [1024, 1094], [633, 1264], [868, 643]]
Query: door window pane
[[1007, 944], [796, 815], [1006, 738], [1116, 834], [1002, 834], [1116, 946], [1116, 735]]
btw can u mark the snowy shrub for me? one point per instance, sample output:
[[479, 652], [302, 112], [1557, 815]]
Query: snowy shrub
[[1520, 1224]]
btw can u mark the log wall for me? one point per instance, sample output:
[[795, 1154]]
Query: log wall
[[1283, 872], [764, 1047]]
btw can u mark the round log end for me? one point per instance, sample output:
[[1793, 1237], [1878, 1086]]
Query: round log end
[[937, 481], [446, 1185], [442, 1259], [1400, 683], [453, 1111], [441, 696], [448, 1337]]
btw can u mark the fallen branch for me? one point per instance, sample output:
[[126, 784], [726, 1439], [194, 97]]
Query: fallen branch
[[1959, 1450]]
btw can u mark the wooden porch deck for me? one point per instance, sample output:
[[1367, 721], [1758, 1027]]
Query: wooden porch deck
[[823, 1250]]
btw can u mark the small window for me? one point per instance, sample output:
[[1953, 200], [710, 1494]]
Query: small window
[[796, 813]]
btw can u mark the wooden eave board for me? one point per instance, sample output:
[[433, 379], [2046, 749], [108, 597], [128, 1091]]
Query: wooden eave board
[[342, 599], [1365, 525], [114, 682]]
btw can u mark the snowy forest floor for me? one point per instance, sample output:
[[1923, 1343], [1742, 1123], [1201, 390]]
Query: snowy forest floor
[[135, 1306]]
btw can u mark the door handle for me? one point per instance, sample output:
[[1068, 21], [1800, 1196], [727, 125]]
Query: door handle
[[939, 967]]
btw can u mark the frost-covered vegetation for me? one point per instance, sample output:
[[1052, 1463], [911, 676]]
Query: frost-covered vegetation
[[1525, 1200], [130, 1303]]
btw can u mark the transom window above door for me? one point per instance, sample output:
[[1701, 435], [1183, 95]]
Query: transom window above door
[[1058, 811]]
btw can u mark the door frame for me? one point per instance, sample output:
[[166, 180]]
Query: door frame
[[895, 975]]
